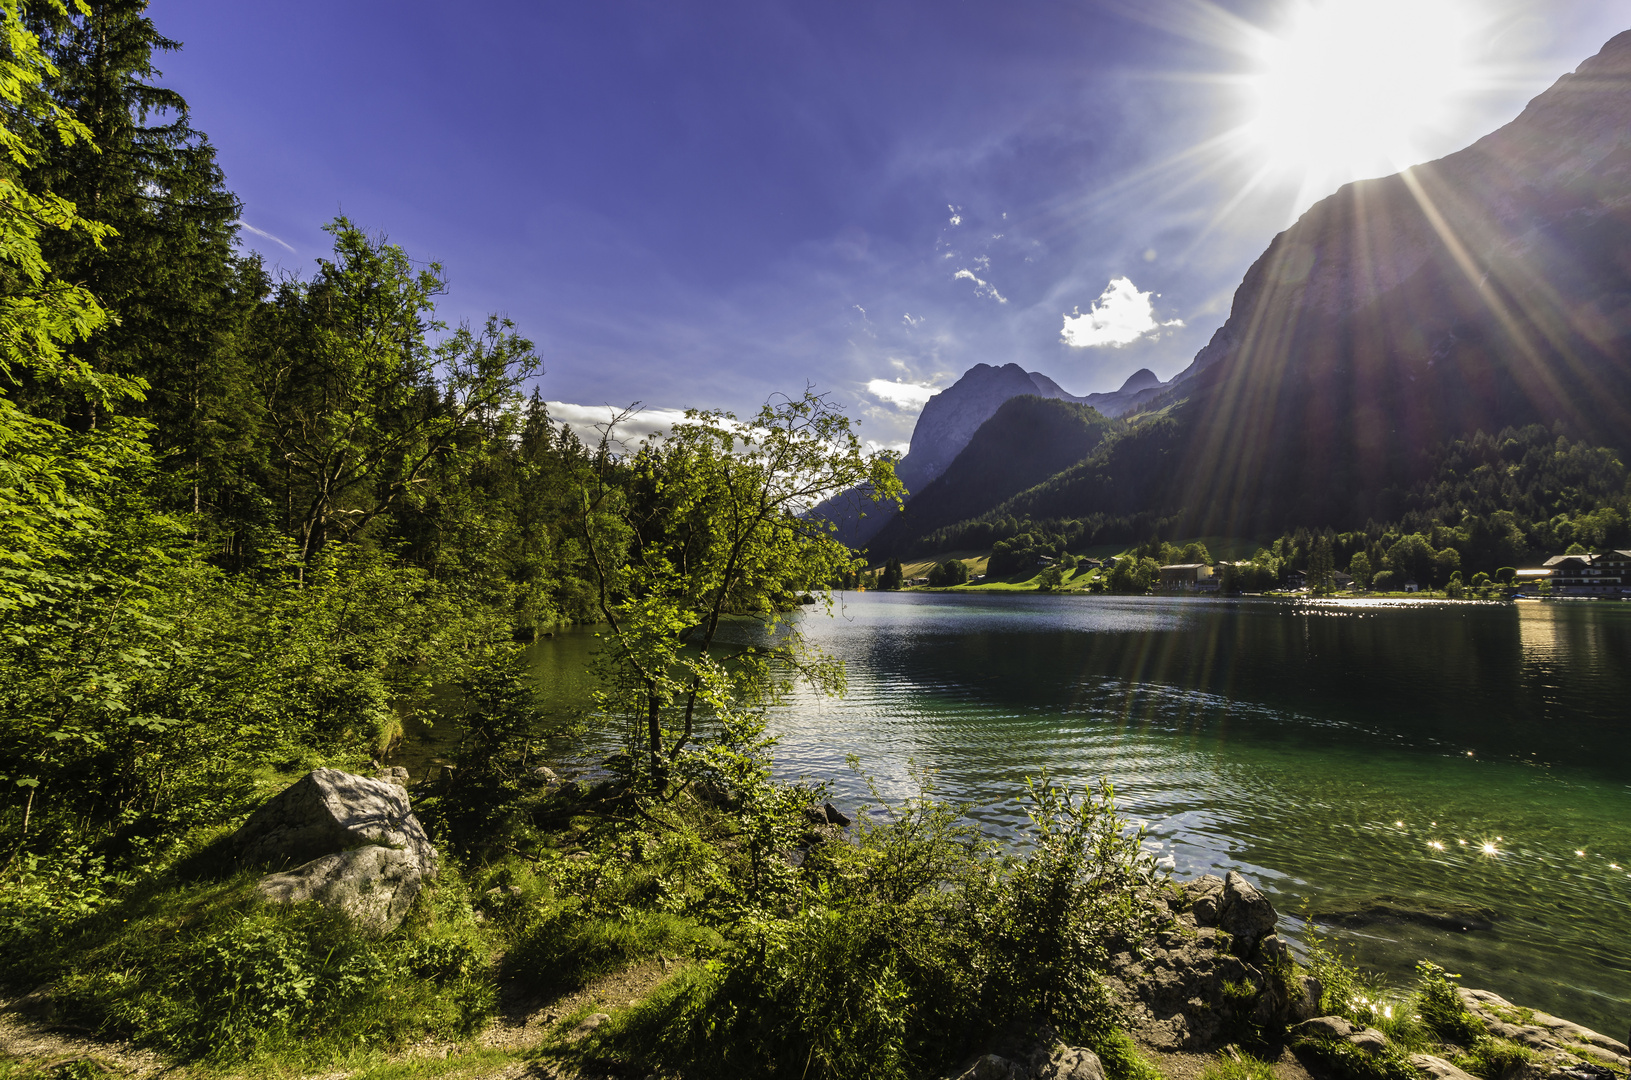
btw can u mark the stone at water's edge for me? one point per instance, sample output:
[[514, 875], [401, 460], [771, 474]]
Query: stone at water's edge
[[1548, 1034], [1040, 1056], [374, 885], [1215, 970], [1436, 1068], [349, 843]]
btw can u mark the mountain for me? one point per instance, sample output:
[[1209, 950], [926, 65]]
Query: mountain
[[950, 418], [1488, 290], [1027, 440], [1140, 388], [947, 423], [1491, 288]]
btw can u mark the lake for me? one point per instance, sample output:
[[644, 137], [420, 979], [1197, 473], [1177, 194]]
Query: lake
[[1442, 753]]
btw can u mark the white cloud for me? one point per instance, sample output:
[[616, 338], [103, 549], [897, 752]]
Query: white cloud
[[956, 218], [910, 321], [263, 234], [588, 421], [982, 288], [1121, 316], [902, 395]]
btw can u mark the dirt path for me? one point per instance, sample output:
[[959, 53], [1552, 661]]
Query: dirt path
[[44, 1047]]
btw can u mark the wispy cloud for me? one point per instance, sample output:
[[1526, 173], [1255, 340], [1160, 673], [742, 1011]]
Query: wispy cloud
[[981, 286], [1121, 315], [264, 235], [902, 395]]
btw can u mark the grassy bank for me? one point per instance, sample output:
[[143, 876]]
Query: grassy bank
[[591, 929]]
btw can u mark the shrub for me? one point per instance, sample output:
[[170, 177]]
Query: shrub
[[1441, 1008], [1495, 1059]]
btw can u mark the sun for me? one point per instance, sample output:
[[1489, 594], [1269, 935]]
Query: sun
[[1355, 88]]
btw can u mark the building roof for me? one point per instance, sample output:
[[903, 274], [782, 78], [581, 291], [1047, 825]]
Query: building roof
[[1559, 560], [1187, 566], [1534, 573]]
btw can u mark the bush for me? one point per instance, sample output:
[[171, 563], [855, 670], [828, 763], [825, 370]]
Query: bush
[[907, 948], [1495, 1059], [1441, 1008]]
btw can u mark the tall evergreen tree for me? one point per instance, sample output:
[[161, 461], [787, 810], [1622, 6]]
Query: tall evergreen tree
[[169, 274]]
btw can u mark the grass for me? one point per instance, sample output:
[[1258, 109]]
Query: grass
[[1239, 1067]]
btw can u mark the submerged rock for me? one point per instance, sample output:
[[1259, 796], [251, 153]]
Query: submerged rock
[[1382, 910]]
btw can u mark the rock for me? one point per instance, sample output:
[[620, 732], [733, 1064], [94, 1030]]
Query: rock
[[1273, 950], [374, 885], [1206, 898], [396, 774], [1436, 1068], [1369, 1040], [992, 1067], [1071, 1063], [1245, 912], [1585, 1071], [1032, 1053], [329, 811], [588, 1024], [815, 815], [1323, 1027], [1544, 1032], [1305, 1004], [836, 816], [545, 775]]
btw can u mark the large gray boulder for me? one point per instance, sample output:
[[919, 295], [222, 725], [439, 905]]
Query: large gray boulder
[[374, 885], [328, 811], [343, 841]]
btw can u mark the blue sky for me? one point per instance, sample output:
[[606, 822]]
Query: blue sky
[[704, 202]]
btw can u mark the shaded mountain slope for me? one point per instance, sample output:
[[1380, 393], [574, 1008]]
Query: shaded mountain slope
[[1029, 439], [947, 423], [1488, 289]]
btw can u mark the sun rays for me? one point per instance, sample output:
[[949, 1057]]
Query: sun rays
[[1349, 88]]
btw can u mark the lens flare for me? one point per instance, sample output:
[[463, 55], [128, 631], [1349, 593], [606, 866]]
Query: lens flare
[[1352, 88]]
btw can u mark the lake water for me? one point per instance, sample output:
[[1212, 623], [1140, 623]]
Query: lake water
[[1332, 751]]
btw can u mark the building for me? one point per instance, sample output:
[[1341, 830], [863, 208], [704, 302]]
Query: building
[[1607, 575], [1191, 576]]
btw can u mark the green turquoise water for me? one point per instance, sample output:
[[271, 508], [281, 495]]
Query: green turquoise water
[[1323, 749]]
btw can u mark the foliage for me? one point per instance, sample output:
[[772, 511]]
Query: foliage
[[1441, 1008], [204, 970], [949, 573], [701, 545], [902, 950], [893, 577], [1241, 1067]]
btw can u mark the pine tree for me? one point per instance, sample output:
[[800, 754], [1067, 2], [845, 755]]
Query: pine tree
[[169, 275]]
